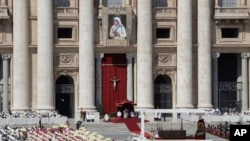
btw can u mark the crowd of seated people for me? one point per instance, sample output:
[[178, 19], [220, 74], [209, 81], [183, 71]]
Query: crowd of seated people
[[56, 133], [30, 114], [221, 130]]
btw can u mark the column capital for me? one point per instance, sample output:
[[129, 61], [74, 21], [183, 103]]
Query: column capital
[[130, 55], [6, 56], [99, 55], [245, 55], [215, 55]]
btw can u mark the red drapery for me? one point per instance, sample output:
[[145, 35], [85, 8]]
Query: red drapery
[[113, 65]]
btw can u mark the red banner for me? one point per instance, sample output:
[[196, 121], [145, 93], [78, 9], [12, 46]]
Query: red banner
[[114, 81]]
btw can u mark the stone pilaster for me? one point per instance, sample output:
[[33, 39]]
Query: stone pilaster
[[244, 76], [215, 57], [144, 55], [5, 95], [204, 55], [86, 55], [20, 101], [99, 57], [45, 85], [184, 55], [130, 91]]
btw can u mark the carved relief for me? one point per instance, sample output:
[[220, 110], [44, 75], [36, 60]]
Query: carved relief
[[65, 60], [165, 59]]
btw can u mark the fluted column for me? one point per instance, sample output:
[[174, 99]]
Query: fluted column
[[86, 55], [244, 76], [204, 55], [130, 91], [184, 54], [99, 57], [20, 101], [5, 95], [45, 94], [215, 57], [144, 55]]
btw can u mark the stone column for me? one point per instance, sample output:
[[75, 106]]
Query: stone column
[[5, 95], [184, 55], [144, 55], [127, 2], [86, 55], [216, 3], [215, 57], [20, 56], [99, 57], [204, 55], [130, 91], [244, 76], [3, 3], [45, 85]]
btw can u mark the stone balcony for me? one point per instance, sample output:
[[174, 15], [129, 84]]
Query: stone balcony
[[165, 13], [67, 12], [234, 13], [4, 14]]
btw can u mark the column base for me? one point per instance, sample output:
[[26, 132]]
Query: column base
[[44, 109], [21, 110], [205, 106], [146, 106], [185, 106], [87, 108]]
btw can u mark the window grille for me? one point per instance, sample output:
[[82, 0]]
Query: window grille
[[63, 3], [228, 3], [161, 3], [113, 3]]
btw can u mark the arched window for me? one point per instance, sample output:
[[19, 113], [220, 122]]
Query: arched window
[[63, 3], [113, 3], [228, 3], [161, 3]]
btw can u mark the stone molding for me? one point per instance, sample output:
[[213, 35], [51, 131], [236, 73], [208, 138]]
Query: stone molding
[[164, 71]]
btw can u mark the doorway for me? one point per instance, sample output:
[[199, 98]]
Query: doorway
[[65, 96], [163, 92]]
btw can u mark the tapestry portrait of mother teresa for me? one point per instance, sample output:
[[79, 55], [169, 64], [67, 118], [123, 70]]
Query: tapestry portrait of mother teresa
[[117, 26]]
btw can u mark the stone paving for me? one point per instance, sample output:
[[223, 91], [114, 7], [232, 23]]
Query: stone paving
[[119, 131]]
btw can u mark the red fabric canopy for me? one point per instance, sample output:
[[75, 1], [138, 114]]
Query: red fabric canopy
[[121, 103]]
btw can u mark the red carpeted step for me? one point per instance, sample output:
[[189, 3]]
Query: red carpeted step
[[131, 124]]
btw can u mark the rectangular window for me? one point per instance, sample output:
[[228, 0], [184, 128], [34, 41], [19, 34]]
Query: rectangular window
[[161, 3], [63, 3], [64, 33], [229, 33], [113, 3], [163, 33], [228, 3]]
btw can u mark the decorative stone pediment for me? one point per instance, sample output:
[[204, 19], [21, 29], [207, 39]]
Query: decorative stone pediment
[[165, 59], [165, 71], [4, 13], [66, 60], [73, 72]]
